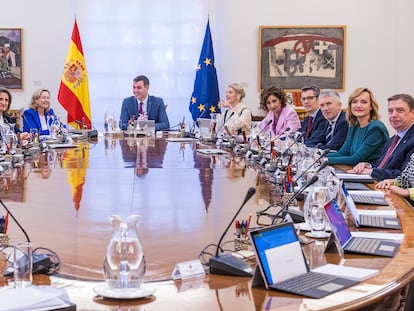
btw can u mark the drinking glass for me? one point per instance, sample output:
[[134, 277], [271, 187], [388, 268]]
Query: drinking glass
[[109, 121], [317, 220], [22, 264]]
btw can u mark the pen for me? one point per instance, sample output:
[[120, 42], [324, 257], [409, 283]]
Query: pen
[[248, 225], [6, 222]]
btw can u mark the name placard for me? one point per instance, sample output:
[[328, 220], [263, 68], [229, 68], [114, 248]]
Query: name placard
[[188, 269]]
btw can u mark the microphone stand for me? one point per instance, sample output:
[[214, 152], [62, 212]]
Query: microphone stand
[[297, 193], [228, 264], [15, 220]]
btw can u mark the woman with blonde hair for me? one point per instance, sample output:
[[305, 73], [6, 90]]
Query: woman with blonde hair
[[238, 118], [366, 135], [39, 115]]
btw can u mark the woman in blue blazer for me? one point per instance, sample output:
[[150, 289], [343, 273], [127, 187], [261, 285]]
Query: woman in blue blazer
[[39, 116]]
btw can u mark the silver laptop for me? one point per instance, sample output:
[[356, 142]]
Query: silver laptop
[[283, 266], [375, 221], [349, 244]]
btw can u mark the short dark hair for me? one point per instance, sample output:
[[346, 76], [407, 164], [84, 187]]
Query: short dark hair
[[314, 88], [143, 79], [405, 98]]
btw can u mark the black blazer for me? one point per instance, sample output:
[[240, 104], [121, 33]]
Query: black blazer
[[397, 160], [318, 130], [339, 134]]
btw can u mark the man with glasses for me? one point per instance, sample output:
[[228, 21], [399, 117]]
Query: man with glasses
[[314, 125], [397, 150]]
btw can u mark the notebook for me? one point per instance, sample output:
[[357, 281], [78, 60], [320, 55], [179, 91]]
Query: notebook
[[369, 220], [349, 244], [283, 266]]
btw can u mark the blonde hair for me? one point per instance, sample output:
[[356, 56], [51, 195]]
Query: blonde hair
[[373, 115], [238, 89], [36, 95]]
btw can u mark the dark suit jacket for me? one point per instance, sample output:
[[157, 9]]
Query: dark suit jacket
[[318, 130], [397, 160], [155, 109], [339, 134]]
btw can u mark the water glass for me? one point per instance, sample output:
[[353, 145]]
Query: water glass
[[317, 219], [22, 264]]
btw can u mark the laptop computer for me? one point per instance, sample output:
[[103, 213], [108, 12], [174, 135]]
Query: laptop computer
[[369, 220], [360, 245], [283, 266]]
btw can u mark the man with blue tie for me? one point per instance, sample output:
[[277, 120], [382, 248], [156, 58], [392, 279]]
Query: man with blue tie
[[314, 125], [337, 129], [142, 106], [398, 149]]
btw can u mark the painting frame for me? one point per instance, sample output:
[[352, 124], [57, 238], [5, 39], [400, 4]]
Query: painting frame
[[11, 58], [291, 57]]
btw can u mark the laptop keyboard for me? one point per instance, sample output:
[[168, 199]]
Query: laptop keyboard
[[362, 198], [370, 220], [304, 282], [363, 245]]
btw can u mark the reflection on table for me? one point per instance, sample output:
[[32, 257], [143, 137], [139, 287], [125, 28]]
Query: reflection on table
[[186, 201]]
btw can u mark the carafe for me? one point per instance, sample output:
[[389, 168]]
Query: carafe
[[124, 265]]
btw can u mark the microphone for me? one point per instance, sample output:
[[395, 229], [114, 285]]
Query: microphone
[[224, 123], [40, 262], [285, 209], [91, 133], [228, 264], [15, 220], [323, 154]]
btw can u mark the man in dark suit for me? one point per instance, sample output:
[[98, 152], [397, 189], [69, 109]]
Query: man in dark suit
[[314, 125], [337, 129], [142, 106], [398, 149]]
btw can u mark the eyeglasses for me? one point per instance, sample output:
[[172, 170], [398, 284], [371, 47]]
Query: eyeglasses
[[308, 98]]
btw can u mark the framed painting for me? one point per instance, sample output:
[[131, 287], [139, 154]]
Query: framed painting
[[11, 69], [291, 57]]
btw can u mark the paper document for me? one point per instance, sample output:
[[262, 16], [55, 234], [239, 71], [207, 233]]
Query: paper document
[[211, 151], [353, 176], [376, 193], [35, 298], [376, 212], [353, 273]]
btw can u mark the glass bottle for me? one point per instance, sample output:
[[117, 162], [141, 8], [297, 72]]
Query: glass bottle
[[124, 265]]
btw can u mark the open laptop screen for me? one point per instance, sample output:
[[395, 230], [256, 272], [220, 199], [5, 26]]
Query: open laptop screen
[[338, 224], [278, 252]]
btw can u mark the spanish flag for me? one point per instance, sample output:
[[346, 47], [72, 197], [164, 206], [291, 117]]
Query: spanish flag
[[74, 91]]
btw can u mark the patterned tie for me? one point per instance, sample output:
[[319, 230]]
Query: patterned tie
[[308, 129], [329, 132], [389, 151], [140, 108]]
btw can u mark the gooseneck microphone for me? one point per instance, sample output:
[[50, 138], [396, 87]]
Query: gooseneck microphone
[[285, 208], [228, 264], [224, 123], [15, 220], [323, 154]]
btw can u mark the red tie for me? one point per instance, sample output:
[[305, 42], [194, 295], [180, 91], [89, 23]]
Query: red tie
[[308, 129], [389, 152], [140, 108]]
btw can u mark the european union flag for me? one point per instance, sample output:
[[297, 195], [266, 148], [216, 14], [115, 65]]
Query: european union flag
[[205, 98]]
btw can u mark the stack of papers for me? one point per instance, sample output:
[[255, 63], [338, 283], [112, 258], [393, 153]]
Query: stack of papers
[[35, 298]]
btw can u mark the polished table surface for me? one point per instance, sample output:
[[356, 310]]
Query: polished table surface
[[186, 200]]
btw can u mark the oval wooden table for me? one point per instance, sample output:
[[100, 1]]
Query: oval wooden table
[[186, 200]]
